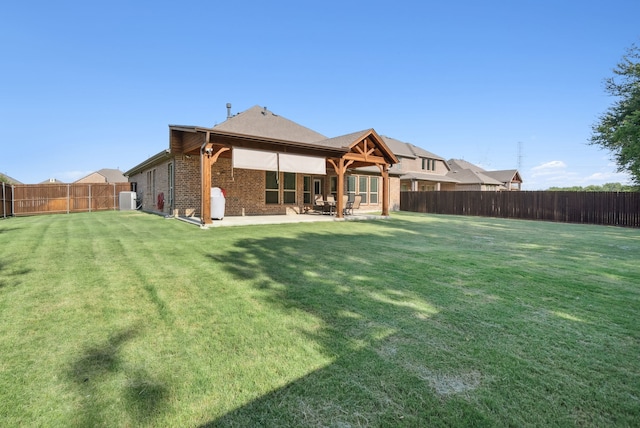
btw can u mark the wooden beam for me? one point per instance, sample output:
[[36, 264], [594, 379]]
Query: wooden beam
[[193, 142], [340, 166], [205, 185], [384, 171], [207, 159], [369, 159]]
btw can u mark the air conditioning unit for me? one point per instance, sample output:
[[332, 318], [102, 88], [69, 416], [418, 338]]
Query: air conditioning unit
[[127, 201]]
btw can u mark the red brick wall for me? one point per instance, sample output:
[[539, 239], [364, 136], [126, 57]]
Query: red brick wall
[[245, 189], [144, 190], [187, 186]]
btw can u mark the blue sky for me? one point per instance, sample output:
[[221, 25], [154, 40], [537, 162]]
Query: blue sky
[[502, 84]]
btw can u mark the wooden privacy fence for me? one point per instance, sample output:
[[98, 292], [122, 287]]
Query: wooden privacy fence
[[30, 199], [606, 208], [7, 197]]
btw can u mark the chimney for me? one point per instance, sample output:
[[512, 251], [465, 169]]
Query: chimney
[[228, 110]]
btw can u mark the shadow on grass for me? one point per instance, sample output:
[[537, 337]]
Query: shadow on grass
[[8, 277], [372, 329], [98, 367]]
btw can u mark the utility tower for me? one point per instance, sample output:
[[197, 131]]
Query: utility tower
[[519, 155]]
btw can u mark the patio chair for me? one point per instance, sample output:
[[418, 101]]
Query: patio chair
[[329, 205], [318, 204], [356, 203], [347, 205]]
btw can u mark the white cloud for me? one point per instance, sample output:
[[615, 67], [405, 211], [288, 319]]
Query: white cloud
[[548, 167], [558, 173], [608, 177]]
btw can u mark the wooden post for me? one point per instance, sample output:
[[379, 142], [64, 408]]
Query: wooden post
[[340, 166], [207, 158], [384, 170], [205, 186]]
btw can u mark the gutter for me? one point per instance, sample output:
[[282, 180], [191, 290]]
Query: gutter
[[165, 154]]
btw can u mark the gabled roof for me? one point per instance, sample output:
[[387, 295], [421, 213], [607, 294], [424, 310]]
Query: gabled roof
[[399, 148], [342, 141], [429, 177], [112, 175], [460, 164], [360, 138], [9, 180], [467, 176], [422, 153], [261, 122], [505, 176], [261, 129]]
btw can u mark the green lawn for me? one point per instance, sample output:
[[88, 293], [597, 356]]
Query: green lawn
[[130, 319]]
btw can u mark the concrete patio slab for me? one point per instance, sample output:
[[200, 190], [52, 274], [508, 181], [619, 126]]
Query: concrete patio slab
[[230, 221]]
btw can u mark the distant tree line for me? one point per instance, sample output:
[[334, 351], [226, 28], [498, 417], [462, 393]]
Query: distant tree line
[[607, 187]]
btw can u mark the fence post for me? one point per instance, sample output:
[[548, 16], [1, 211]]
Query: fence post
[[4, 208], [114, 196], [68, 198], [89, 197]]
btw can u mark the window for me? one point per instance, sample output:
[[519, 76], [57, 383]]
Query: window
[[363, 188], [151, 186], [171, 179], [272, 188], [428, 164], [306, 189], [373, 190], [333, 185], [351, 186], [317, 187], [289, 195]]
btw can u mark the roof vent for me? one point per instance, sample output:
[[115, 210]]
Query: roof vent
[[228, 110]]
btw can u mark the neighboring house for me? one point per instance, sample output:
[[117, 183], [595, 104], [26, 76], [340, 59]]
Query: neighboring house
[[265, 164], [51, 181], [419, 169], [472, 177], [9, 180], [104, 175]]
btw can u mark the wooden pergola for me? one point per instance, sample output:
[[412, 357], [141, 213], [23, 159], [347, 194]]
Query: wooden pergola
[[356, 150]]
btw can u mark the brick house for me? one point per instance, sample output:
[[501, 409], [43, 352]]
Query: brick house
[[472, 177], [419, 169], [105, 175], [265, 164]]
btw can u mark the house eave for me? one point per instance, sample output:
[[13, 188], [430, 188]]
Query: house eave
[[240, 140], [155, 159]]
